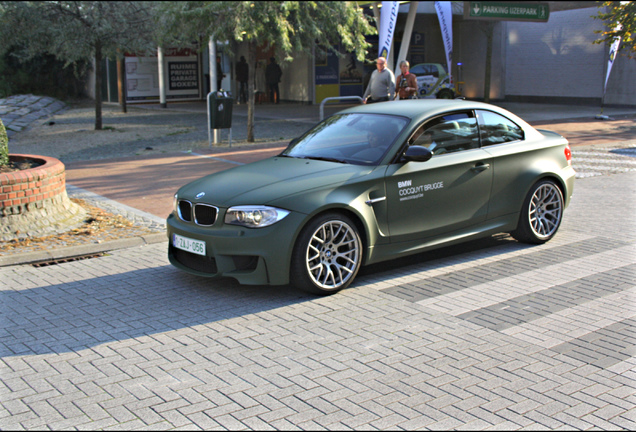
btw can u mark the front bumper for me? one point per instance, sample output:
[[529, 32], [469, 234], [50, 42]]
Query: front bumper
[[252, 256]]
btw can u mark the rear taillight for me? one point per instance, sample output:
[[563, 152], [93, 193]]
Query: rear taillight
[[568, 155]]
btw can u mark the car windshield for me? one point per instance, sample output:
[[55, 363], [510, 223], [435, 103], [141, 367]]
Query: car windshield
[[360, 139]]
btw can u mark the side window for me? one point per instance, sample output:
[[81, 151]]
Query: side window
[[497, 129], [448, 133]]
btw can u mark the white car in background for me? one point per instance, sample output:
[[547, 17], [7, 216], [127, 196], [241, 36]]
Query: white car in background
[[433, 81]]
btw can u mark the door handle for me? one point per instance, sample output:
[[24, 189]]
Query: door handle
[[374, 200], [480, 167]]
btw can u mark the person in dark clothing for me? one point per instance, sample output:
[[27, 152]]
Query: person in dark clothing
[[242, 72], [273, 73]]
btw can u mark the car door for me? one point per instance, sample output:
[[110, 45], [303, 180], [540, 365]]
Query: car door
[[446, 193], [513, 160]]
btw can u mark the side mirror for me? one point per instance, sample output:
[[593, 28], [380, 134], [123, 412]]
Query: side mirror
[[417, 154]]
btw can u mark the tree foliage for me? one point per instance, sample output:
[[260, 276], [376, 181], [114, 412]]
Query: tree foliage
[[614, 13], [80, 30], [77, 30], [289, 26]]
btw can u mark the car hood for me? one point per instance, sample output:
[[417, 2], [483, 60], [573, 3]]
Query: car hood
[[268, 180]]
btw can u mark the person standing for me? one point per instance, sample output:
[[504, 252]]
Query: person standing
[[272, 76], [381, 86], [406, 82], [242, 72]]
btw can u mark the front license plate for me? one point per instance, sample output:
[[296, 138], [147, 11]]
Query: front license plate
[[188, 244]]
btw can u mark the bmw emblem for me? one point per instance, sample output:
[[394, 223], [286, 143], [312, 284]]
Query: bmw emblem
[[200, 195]]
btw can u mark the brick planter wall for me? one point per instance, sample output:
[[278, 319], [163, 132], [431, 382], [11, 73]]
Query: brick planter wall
[[33, 202]]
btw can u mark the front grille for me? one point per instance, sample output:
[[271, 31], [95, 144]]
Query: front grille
[[185, 210], [195, 262], [201, 214], [205, 214]]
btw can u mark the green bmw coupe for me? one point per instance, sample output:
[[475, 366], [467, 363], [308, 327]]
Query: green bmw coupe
[[373, 183]]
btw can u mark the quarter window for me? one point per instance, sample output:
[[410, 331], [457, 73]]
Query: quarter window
[[497, 129]]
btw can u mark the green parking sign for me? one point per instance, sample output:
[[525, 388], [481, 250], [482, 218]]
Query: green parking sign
[[506, 11]]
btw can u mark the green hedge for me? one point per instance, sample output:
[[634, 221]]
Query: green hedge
[[43, 75]]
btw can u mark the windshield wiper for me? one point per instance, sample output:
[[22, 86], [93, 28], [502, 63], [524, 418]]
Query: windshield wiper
[[325, 158]]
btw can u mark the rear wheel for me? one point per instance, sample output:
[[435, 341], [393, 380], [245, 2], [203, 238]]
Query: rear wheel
[[445, 94], [327, 255], [541, 213]]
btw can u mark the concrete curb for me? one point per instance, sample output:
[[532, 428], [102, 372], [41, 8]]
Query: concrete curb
[[70, 252], [78, 251]]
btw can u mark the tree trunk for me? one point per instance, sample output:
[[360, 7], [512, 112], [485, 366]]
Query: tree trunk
[[251, 84], [121, 83], [98, 86]]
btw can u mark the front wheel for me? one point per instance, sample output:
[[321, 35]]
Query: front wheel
[[327, 255], [541, 214]]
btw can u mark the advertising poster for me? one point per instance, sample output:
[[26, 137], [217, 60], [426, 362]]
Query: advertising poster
[[142, 78], [327, 77], [181, 72], [351, 76]]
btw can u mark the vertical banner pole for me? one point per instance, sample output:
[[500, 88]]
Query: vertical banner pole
[[388, 19], [610, 63], [212, 61], [445, 16]]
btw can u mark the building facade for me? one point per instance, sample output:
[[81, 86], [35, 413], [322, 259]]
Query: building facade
[[553, 62]]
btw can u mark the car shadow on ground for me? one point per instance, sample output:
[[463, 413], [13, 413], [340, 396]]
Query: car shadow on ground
[[78, 315], [444, 256], [73, 316]]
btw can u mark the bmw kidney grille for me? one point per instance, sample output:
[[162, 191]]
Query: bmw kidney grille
[[202, 214]]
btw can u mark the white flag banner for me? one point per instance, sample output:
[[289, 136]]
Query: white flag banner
[[445, 17], [388, 19], [612, 56]]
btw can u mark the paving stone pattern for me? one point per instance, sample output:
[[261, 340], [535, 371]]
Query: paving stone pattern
[[592, 162], [499, 336], [489, 335], [18, 112]]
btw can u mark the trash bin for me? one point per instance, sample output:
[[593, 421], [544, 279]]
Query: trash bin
[[220, 109]]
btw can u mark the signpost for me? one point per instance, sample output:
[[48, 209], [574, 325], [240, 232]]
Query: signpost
[[506, 11]]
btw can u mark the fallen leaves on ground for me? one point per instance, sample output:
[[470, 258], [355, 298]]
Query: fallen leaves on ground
[[99, 226]]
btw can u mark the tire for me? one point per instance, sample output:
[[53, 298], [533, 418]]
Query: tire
[[327, 255], [445, 94], [541, 213]]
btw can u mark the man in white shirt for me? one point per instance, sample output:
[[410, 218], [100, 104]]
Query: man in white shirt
[[381, 86]]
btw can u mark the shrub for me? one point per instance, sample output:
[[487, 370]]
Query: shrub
[[43, 75]]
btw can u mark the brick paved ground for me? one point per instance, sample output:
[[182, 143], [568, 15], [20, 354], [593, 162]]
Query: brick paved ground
[[490, 335]]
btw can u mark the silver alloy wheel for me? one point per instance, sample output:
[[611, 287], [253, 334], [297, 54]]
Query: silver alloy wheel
[[333, 254], [545, 210]]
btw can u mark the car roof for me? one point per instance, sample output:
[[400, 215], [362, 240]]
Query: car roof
[[416, 108], [420, 109]]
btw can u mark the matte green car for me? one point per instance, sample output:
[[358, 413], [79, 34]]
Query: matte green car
[[373, 183]]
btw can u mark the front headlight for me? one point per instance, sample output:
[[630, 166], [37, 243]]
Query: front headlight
[[254, 216]]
